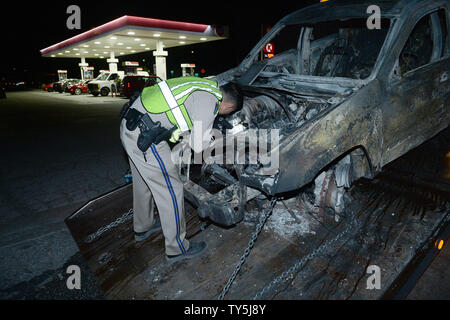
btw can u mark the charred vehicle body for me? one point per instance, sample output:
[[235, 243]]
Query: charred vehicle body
[[347, 100]]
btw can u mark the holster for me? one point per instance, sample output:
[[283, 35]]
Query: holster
[[151, 132]]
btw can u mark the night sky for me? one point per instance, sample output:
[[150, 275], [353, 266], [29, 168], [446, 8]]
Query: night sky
[[28, 27]]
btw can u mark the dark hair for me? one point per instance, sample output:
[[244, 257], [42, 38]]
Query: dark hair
[[233, 94]]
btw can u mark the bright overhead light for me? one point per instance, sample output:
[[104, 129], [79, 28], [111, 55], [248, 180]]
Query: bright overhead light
[[113, 38], [133, 51], [77, 54], [128, 47], [147, 48], [76, 49], [97, 42], [106, 52], [86, 46], [102, 57], [122, 53], [182, 37], [67, 51], [182, 42], [142, 44], [137, 39], [156, 35], [107, 47], [52, 56], [96, 54], [203, 39], [86, 52], [120, 44], [131, 33]]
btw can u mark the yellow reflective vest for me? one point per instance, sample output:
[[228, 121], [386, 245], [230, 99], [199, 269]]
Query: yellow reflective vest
[[169, 96]]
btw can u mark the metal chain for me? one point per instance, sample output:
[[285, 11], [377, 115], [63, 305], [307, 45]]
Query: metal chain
[[253, 238], [291, 272], [125, 217]]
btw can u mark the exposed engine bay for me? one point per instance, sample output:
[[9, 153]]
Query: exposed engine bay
[[263, 111]]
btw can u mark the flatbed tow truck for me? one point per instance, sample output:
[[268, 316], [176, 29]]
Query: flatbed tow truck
[[397, 222]]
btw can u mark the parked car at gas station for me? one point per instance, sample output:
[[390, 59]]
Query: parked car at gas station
[[135, 83], [70, 83], [79, 88], [102, 84], [48, 87], [62, 85]]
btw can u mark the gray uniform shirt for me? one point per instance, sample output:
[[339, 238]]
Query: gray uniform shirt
[[201, 106]]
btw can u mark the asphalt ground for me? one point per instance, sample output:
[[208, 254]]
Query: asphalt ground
[[58, 152]]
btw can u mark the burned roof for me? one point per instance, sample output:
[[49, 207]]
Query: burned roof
[[346, 9]]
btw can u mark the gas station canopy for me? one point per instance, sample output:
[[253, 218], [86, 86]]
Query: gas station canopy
[[130, 35]]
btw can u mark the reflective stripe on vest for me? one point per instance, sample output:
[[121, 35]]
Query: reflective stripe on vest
[[169, 97], [174, 107]]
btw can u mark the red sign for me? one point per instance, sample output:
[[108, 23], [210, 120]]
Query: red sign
[[268, 48]]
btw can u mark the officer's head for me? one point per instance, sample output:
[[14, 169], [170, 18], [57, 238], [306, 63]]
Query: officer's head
[[232, 98]]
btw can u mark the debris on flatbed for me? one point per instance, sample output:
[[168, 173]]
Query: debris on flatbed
[[387, 221]]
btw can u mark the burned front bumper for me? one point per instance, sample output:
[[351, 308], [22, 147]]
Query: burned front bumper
[[224, 207]]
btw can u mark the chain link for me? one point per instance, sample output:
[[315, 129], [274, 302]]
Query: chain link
[[124, 218], [292, 271], [253, 238]]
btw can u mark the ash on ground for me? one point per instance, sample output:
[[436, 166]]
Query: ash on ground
[[288, 220]]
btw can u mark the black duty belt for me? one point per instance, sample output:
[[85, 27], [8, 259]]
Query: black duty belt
[[151, 132]]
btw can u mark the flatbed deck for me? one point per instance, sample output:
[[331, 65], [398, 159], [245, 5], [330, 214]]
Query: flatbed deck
[[388, 222]]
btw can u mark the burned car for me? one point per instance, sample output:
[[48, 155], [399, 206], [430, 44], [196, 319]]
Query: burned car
[[347, 97]]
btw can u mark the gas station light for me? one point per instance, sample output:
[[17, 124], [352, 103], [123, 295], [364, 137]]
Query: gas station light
[[120, 44], [182, 37], [156, 35], [181, 42], [137, 39], [107, 47], [128, 48], [147, 48], [97, 42], [142, 44], [86, 46], [203, 39], [113, 38], [131, 33]]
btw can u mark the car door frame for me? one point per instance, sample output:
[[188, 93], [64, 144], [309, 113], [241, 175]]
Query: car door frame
[[395, 145]]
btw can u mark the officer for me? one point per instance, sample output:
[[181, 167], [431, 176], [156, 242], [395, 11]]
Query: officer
[[164, 112]]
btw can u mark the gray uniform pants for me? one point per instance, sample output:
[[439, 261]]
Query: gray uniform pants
[[155, 177]]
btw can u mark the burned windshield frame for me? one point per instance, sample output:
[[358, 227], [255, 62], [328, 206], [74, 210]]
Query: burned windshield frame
[[328, 49]]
